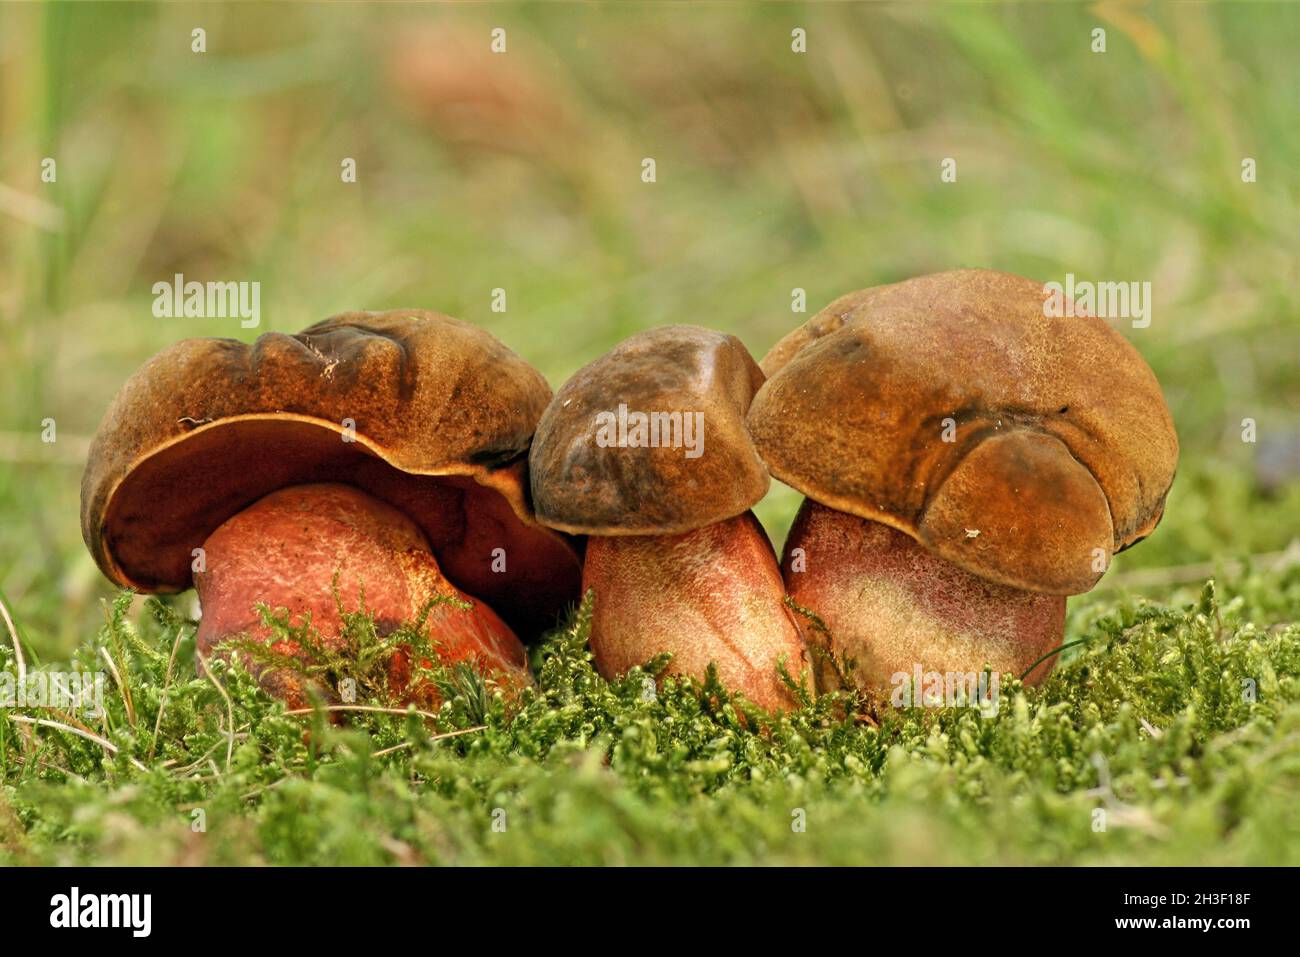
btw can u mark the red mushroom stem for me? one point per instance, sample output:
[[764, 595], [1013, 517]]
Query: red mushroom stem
[[892, 605], [284, 551], [710, 595]]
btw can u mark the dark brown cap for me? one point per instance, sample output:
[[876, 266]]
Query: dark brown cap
[[595, 473], [952, 408], [428, 413]]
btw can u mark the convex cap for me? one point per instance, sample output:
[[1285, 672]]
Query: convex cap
[[428, 413], [584, 483], [1060, 439]]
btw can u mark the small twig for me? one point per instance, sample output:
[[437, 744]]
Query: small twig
[[162, 700], [121, 685], [18, 645], [230, 708], [194, 765], [396, 747], [1151, 729], [364, 707], [104, 743], [1122, 813], [436, 737], [63, 715]]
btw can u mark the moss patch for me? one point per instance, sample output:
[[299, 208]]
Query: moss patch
[[1179, 721]]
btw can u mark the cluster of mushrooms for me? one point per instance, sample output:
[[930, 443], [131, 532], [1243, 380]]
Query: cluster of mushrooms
[[967, 463]]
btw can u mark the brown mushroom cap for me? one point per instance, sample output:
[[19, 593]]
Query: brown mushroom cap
[[584, 487], [438, 412], [1063, 442]]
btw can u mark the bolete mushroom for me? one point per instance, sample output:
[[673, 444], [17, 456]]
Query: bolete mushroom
[[387, 449], [645, 451], [968, 461]]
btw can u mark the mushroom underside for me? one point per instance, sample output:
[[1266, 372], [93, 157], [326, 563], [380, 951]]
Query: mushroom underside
[[172, 500]]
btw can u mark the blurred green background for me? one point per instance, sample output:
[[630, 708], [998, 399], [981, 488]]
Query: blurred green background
[[522, 171]]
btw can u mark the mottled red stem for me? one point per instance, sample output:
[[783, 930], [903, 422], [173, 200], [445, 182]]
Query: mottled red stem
[[710, 595], [285, 550], [892, 605]]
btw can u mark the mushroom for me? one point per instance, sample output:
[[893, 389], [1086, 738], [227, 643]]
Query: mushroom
[[388, 449], [968, 461], [645, 451]]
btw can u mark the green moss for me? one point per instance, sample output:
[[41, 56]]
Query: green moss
[[1180, 722]]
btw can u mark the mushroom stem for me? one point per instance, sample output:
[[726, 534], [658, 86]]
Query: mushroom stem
[[286, 549], [892, 606], [709, 595]]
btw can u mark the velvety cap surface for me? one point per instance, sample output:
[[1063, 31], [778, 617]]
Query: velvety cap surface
[[1022, 447], [650, 438], [378, 400]]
